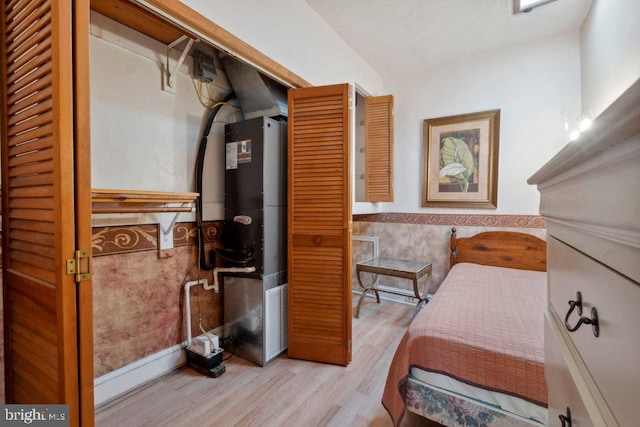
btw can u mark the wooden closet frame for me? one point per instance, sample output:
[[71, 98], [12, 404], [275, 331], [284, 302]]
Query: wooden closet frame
[[78, 391]]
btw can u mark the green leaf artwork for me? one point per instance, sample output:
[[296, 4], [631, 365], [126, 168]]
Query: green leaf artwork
[[457, 161], [452, 169]]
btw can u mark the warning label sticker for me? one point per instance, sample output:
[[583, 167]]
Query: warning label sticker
[[231, 155], [244, 151], [238, 152]]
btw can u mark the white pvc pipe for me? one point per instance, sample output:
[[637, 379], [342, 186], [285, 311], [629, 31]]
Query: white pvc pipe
[[187, 304], [206, 287], [228, 270]]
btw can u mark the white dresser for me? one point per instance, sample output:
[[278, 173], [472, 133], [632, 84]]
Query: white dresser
[[590, 197]]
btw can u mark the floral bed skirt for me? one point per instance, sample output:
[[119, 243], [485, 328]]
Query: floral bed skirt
[[454, 411]]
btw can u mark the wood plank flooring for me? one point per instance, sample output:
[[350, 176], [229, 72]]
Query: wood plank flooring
[[286, 392]]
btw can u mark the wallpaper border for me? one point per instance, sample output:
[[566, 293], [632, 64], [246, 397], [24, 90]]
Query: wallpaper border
[[507, 221], [144, 237]]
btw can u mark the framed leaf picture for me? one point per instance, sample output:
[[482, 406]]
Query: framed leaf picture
[[460, 160]]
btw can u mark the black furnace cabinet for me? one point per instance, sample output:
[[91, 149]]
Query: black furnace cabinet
[[256, 229]]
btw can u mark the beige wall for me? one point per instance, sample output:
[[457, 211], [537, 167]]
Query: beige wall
[[530, 83], [610, 52], [413, 240], [138, 296], [139, 302], [143, 138], [294, 35]]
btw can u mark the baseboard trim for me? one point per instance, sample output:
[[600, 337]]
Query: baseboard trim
[[130, 377]]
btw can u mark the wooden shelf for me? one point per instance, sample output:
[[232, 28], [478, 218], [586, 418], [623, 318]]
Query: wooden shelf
[[107, 201], [136, 17]]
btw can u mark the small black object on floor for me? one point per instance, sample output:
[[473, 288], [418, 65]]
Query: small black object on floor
[[210, 365]]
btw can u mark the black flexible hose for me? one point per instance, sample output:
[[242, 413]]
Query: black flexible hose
[[199, 171]]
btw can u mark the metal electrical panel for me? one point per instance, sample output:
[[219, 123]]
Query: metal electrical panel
[[204, 68]]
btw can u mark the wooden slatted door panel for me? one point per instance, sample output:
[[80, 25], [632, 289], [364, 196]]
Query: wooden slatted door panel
[[38, 203], [319, 227], [378, 119]]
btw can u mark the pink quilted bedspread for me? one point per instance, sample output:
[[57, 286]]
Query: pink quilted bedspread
[[485, 327]]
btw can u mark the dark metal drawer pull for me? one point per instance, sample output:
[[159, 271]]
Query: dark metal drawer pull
[[593, 321], [566, 419]]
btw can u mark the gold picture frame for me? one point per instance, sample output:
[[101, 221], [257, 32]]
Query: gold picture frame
[[460, 160]]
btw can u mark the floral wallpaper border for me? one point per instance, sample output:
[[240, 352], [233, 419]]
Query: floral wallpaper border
[[511, 221], [144, 237]]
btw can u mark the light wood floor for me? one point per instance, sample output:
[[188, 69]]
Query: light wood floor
[[285, 392]]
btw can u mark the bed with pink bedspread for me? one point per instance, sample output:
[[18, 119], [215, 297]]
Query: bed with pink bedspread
[[475, 354]]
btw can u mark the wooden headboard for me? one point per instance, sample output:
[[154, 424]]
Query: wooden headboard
[[500, 249]]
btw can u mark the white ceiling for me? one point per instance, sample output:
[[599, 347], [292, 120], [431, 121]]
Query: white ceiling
[[394, 36]]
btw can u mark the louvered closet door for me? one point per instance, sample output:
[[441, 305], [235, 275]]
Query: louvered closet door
[[319, 227], [39, 203], [378, 120]]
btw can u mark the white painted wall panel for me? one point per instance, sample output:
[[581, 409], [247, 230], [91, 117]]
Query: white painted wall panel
[[293, 34], [530, 83], [142, 137], [610, 52]]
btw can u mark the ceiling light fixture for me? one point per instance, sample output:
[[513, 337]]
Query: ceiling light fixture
[[584, 119], [575, 134], [526, 6]]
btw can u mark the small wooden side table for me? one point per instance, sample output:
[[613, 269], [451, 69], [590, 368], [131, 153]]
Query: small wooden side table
[[412, 270]]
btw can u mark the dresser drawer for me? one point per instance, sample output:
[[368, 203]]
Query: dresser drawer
[[611, 358], [563, 393]]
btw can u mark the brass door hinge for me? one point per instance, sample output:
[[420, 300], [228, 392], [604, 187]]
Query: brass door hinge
[[74, 265]]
